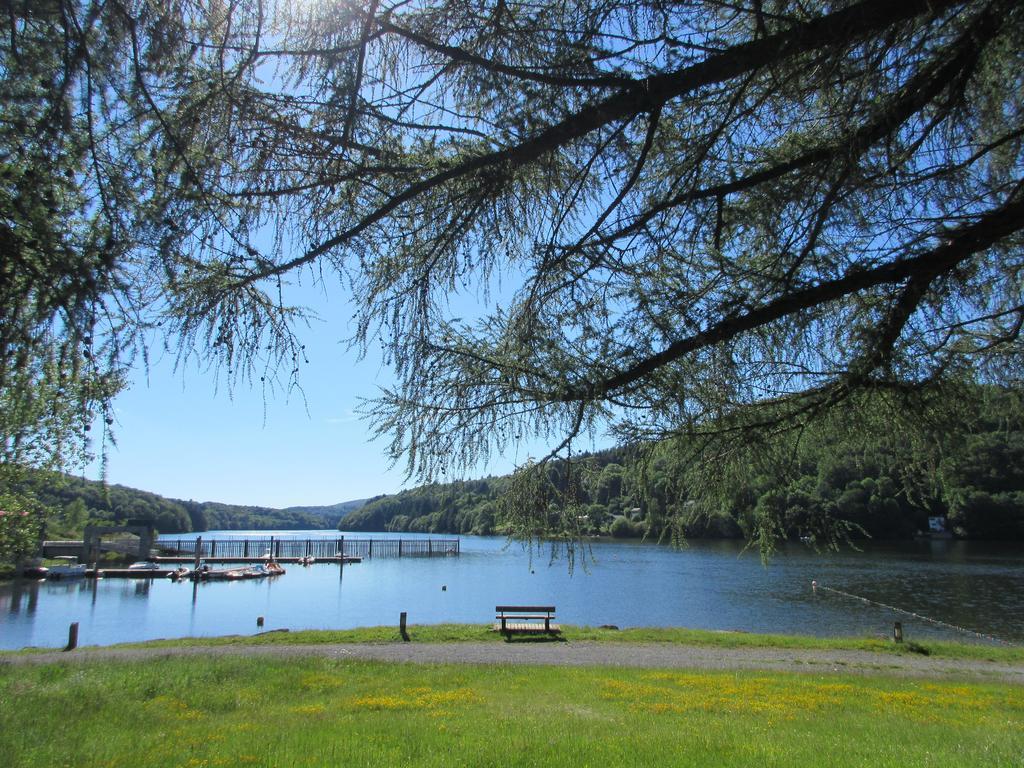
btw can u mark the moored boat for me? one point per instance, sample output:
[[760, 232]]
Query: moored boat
[[261, 571], [68, 568]]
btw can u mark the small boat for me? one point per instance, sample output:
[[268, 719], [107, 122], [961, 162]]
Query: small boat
[[68, 568], [307, 560], [206, 573], [144, 565], [237, 574], [260, 571]]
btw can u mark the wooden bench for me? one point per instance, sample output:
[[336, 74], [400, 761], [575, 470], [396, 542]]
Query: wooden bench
[[525, 619]]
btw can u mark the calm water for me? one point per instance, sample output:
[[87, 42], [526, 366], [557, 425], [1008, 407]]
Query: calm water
[[709, 585]]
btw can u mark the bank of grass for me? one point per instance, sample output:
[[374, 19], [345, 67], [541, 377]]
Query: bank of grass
[[454, 633], [238, 711]]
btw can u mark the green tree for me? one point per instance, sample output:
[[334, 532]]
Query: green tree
[[20, 526], [75, 516]]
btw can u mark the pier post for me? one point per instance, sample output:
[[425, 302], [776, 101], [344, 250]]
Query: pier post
[[245, 548], [401, 626], [199, 551], [399, 547], [897, 632], [73, 636]]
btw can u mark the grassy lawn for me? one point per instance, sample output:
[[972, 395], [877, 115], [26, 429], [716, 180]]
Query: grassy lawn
[[453, 633], [236, 711]]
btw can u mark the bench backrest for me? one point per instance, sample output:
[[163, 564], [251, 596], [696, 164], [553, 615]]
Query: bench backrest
[[524, 608]]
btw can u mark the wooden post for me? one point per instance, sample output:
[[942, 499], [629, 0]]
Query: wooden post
[[399, 547], [72, 637], [401, 626], [897, 632], [213, 548], [199, 550], [245, 549]]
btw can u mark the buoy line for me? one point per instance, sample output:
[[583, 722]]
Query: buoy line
[[816, 586]]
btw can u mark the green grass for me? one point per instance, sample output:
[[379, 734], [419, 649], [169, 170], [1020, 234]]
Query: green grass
[[454, 633], [237, 711]]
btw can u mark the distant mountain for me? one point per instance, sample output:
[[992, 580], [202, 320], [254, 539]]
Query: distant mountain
[[75, 501], [334, 512]]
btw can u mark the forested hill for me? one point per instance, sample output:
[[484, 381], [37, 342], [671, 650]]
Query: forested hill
[[74, 501], [461, 507], [884, 486]]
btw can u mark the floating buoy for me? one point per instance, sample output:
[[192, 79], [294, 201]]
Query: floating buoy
[[444, 587]]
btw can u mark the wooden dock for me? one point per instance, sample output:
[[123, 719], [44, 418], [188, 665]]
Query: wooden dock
[[129, 573], [186, 560], [163, 573]]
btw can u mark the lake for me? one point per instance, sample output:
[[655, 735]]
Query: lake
[[707, 585]]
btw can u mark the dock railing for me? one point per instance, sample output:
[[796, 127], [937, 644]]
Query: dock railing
[[278, 547]]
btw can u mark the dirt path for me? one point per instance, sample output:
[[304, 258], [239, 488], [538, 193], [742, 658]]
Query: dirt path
[[582, 654]]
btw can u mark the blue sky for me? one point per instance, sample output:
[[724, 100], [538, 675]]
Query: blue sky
[[182, 435]]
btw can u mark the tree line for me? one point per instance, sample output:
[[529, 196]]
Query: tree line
[[882, 486]]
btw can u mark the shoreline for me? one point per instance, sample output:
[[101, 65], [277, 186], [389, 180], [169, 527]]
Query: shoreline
[[579, 646], [582, 654]]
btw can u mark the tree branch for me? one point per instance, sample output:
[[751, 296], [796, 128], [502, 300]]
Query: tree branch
[[839, 28], [959, 246]]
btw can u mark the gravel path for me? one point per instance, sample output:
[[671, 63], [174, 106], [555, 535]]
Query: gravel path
[[582, 654]]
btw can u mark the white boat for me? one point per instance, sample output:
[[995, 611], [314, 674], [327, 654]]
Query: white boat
[[144, 565], [68, 568]]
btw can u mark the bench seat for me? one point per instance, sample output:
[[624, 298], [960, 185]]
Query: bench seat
[[525, 619], [527, 627]]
